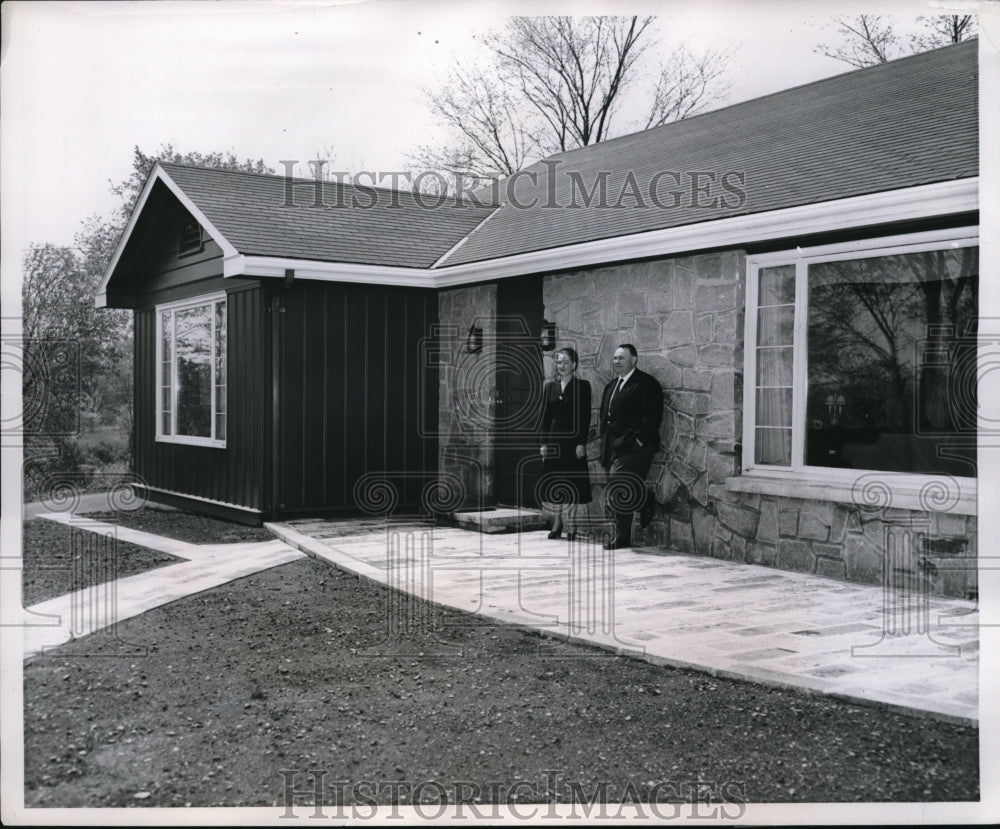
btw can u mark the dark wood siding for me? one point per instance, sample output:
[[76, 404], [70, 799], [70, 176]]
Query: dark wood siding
[[231, 475], [354, 392]]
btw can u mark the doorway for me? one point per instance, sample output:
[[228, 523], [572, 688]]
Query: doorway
[[519, 383]]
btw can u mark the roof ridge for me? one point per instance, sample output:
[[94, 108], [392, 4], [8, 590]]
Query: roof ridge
[[819, 81], [302, 180]]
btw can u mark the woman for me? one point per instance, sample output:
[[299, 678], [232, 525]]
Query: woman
[[565, 478]]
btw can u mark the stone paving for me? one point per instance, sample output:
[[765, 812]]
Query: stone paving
[[913, 653], [100, 607]]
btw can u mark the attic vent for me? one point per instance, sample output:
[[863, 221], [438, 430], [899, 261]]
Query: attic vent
[[190, 240]]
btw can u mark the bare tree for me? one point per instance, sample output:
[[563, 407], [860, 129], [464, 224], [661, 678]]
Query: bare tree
[[870, 39], [942, 30], [686, 82], [570, 70], [551, 84], [482, 111], [866, 41]]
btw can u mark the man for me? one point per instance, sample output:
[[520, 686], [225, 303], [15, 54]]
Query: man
[[631, 413]]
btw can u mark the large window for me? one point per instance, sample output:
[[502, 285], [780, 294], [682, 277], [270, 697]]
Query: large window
[[863, 357], [191, 371]]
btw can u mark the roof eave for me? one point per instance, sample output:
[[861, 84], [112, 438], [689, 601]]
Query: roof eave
[[906, 204]]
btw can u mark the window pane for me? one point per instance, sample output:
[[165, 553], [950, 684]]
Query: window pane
[[774, 325], [777, 285], [774, 407], [889, 344], [773, 446], [166, 370], [194, 371], [774, 366], [220, 370]]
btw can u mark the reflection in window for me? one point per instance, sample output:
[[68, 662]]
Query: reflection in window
[[192, 361], [889, 343]]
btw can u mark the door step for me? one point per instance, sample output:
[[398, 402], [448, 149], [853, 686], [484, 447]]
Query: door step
[[500, 520]]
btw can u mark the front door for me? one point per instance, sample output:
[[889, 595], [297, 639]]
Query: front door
[[519, 382]]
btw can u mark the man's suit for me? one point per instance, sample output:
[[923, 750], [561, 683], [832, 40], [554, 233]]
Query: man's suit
[[630, 436]]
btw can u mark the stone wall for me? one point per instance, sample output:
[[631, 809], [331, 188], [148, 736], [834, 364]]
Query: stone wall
[[686, 318], [928, 551], [465, 407]]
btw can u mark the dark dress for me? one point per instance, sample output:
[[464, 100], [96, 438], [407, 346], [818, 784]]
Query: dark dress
[[565, 425]]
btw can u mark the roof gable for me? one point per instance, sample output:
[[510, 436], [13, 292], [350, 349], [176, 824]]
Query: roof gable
[[278, 216]]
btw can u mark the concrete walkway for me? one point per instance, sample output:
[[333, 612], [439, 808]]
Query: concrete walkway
[[100, 607], [910, 653]]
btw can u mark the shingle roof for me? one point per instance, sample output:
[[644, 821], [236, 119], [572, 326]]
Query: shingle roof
[[904, 123], [901, 124], [258, 216]]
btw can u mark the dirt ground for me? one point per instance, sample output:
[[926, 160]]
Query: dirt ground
[[223, 698], [58, 560], [184, 526]]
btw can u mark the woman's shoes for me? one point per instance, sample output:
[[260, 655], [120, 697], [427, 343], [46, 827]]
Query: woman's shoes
[[555, 534], [571, 536]]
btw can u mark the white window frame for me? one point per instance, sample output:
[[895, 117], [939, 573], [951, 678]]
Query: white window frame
[[180, 305], [906, 490]]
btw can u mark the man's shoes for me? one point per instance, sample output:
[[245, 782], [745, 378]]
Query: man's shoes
[[555, 534], [617, 544], [571, 536], [646, 513]]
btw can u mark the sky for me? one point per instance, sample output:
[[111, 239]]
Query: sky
[[84, 82]]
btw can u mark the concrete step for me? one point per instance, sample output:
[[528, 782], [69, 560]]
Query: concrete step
[[499, 520]]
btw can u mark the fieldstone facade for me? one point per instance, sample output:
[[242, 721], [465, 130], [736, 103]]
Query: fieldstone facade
[[685, 315], [465, 388]]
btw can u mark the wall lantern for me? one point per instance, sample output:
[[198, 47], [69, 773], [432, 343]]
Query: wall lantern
[[474, 342], [548, 335], [835, 406]]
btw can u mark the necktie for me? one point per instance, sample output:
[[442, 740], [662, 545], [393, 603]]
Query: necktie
[[618, 388]]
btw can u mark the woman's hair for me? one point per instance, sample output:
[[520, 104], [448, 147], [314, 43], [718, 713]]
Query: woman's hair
[[571, 353]]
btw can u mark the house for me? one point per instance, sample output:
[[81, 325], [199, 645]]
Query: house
[[799, 271]]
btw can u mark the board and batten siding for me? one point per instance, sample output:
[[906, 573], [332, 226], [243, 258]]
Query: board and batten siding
[[233, 475], [356, 397]]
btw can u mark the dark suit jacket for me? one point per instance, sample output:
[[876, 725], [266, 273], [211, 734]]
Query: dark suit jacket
[[566, 417], [635, 414]]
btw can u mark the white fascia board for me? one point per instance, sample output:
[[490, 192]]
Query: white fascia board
[[925, 201], [921, 202], [157, 174], [276, 266]]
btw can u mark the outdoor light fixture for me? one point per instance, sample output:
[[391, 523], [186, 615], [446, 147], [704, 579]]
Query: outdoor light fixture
[[835, 406], [548, 335], [474, 342]]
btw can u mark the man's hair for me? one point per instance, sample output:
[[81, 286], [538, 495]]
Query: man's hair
[[629, 348]]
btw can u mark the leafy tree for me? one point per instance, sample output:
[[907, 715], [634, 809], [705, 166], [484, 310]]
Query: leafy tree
[[550, 84], [142, 164]]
